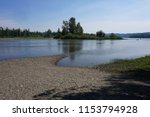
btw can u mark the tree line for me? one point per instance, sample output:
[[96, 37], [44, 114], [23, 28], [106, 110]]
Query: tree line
[[140, 35], [70, 29], [6, 32]]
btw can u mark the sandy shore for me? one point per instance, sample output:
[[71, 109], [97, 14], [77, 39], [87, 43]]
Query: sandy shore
[[40, 78]]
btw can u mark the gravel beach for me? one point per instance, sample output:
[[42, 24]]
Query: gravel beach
[[40, 78]]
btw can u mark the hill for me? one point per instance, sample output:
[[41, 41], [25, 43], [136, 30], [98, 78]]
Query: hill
[[134, 35]]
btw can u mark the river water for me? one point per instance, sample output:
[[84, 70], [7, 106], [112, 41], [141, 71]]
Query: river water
[[79, 53]]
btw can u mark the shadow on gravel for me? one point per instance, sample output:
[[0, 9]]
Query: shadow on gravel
[[133, 86]]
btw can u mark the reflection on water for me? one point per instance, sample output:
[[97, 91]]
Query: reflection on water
[[94, 52], [79, 52], [71, 47]]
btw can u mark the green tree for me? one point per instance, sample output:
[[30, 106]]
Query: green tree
[[19, 32], [72, 25], [13, 33], [112, 35], [26, 32], [65, 28], [1, 32], [100, 33], [79, 29], [48, 33], [8, 32], [58, 34], [58, 31]]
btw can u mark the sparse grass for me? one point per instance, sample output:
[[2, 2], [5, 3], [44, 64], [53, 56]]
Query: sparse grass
[[125, 66]]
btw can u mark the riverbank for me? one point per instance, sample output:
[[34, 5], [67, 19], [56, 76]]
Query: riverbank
[[87, 37], [40, 78], [132, 80], [127, 66], [63, 38]]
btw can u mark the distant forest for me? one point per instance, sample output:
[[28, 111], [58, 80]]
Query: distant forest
[[140, 35], [69, 30], [6, 33], [135, 35]]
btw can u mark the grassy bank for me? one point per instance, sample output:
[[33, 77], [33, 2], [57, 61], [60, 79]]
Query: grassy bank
[[128, 66], [130, 80]]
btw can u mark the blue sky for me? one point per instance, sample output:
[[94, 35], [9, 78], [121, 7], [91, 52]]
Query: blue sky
[[107, 15]]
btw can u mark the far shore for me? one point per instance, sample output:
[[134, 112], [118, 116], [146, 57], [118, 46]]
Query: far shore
[[49, 38], [39, 78], [26, 38]]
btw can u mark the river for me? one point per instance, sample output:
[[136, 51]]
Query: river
[[79, 53]]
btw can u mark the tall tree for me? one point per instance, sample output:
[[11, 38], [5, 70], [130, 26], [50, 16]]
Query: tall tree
[[26, 33], [65, 28], [72, 25], [58, 34], [8, 32], [48, 33], [79, 29], [1, 32], [112, 35], [100, 33], [58, 31], [19, 32]]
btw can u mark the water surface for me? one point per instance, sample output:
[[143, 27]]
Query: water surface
[[79, 53]]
